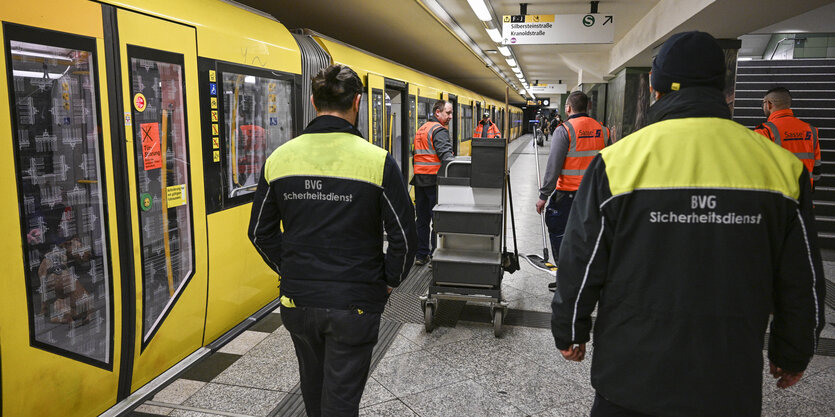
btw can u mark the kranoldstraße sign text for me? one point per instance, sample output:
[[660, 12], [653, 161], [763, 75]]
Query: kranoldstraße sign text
[[538, 29]]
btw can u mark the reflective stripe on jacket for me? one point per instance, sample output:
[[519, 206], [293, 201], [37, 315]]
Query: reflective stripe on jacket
[[426, 160], [796, 136], [586, 138]]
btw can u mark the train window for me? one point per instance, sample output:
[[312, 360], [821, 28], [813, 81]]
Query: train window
[[467, 122], [362, 118], [162, 165], [62, 196], [377, 114], [258, 118], [424, 110]]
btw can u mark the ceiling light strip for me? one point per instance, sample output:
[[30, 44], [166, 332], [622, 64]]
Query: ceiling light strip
[[453, 27]]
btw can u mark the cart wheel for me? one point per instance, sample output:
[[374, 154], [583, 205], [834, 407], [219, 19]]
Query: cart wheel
[[428, 315], [497, 322]]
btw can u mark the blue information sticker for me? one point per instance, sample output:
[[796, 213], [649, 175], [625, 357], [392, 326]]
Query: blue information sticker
[[67, 121], [213, 89], [273, 121]]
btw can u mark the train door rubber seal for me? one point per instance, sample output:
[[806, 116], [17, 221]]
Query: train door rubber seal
[[112, 57]]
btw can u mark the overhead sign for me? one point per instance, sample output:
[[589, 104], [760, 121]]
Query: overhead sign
[[538, 29], [548, 89]]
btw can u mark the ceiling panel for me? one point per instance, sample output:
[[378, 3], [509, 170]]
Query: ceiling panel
[[406, 31]]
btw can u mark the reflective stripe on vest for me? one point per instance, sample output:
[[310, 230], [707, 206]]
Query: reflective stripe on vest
[[796, 136], [582, 148], [426, 160], [775, 132]]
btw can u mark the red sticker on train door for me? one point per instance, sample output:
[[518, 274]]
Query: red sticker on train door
[[151, 153]]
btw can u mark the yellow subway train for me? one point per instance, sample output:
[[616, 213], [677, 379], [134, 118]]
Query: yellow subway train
[[132, 141]]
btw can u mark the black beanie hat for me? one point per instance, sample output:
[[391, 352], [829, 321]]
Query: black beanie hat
[[688, 59]]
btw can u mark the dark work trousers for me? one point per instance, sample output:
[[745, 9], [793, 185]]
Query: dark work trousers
[[556, 218], [425, 200], [334, 352], [605, 408]]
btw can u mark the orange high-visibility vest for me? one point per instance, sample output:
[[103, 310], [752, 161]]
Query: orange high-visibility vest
[[586, 137], [492, 131], [796, 136], [426, 161]]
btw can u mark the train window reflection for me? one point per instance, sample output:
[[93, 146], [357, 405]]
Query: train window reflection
[[377, 114], [424, 110], [258, 118], [362, 118], [162, 164], [467, 122], [61, 186]]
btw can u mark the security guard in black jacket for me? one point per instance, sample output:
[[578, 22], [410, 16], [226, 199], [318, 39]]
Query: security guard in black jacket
[[686, 235], [322, 203]]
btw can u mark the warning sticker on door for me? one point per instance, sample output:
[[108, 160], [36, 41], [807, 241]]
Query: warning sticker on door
[[151, 153], [139, 102], [175, 195]]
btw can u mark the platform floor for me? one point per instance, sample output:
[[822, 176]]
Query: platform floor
[[460, 369]]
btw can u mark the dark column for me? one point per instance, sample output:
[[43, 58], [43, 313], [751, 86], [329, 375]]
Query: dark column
[[731, 48], [629, 99]]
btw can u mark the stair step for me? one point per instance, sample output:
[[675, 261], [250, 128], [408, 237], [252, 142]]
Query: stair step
[[786, 62], [787, 78], [812, 69], [818, 103], [804, 114], [744, 93]]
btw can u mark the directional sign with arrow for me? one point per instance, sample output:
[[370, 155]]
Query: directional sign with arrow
[[558, 29]]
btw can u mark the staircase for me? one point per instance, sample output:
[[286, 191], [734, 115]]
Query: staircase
[[812, 84]]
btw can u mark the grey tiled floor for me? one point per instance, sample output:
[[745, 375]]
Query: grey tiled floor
[[462, 370]]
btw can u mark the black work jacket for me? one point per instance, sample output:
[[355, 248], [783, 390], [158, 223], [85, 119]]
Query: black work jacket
[[686, 235], [322, 203]]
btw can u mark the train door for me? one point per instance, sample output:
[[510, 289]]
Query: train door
[[412, 127], [397, 124], [158, 62], [60, 333], [376, 109], [454, 131]]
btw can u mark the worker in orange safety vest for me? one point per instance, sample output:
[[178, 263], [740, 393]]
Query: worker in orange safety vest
[[486, 128], [573, 145], [432, 147], [791, 133]]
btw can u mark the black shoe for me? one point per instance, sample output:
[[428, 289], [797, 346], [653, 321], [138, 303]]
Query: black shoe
[[422, 261], [552, 286]]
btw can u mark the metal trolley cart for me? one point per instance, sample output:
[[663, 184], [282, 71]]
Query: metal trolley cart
[[468, 262]]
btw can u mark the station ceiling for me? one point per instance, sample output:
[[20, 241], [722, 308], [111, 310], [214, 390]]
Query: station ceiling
[[444, 38]]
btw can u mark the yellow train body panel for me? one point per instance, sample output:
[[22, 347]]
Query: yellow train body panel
[[228, 33], [247, 283]]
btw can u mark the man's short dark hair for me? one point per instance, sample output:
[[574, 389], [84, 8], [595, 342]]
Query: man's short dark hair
[[335, 87], [578, 101], [780, 97], [438, 106]]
